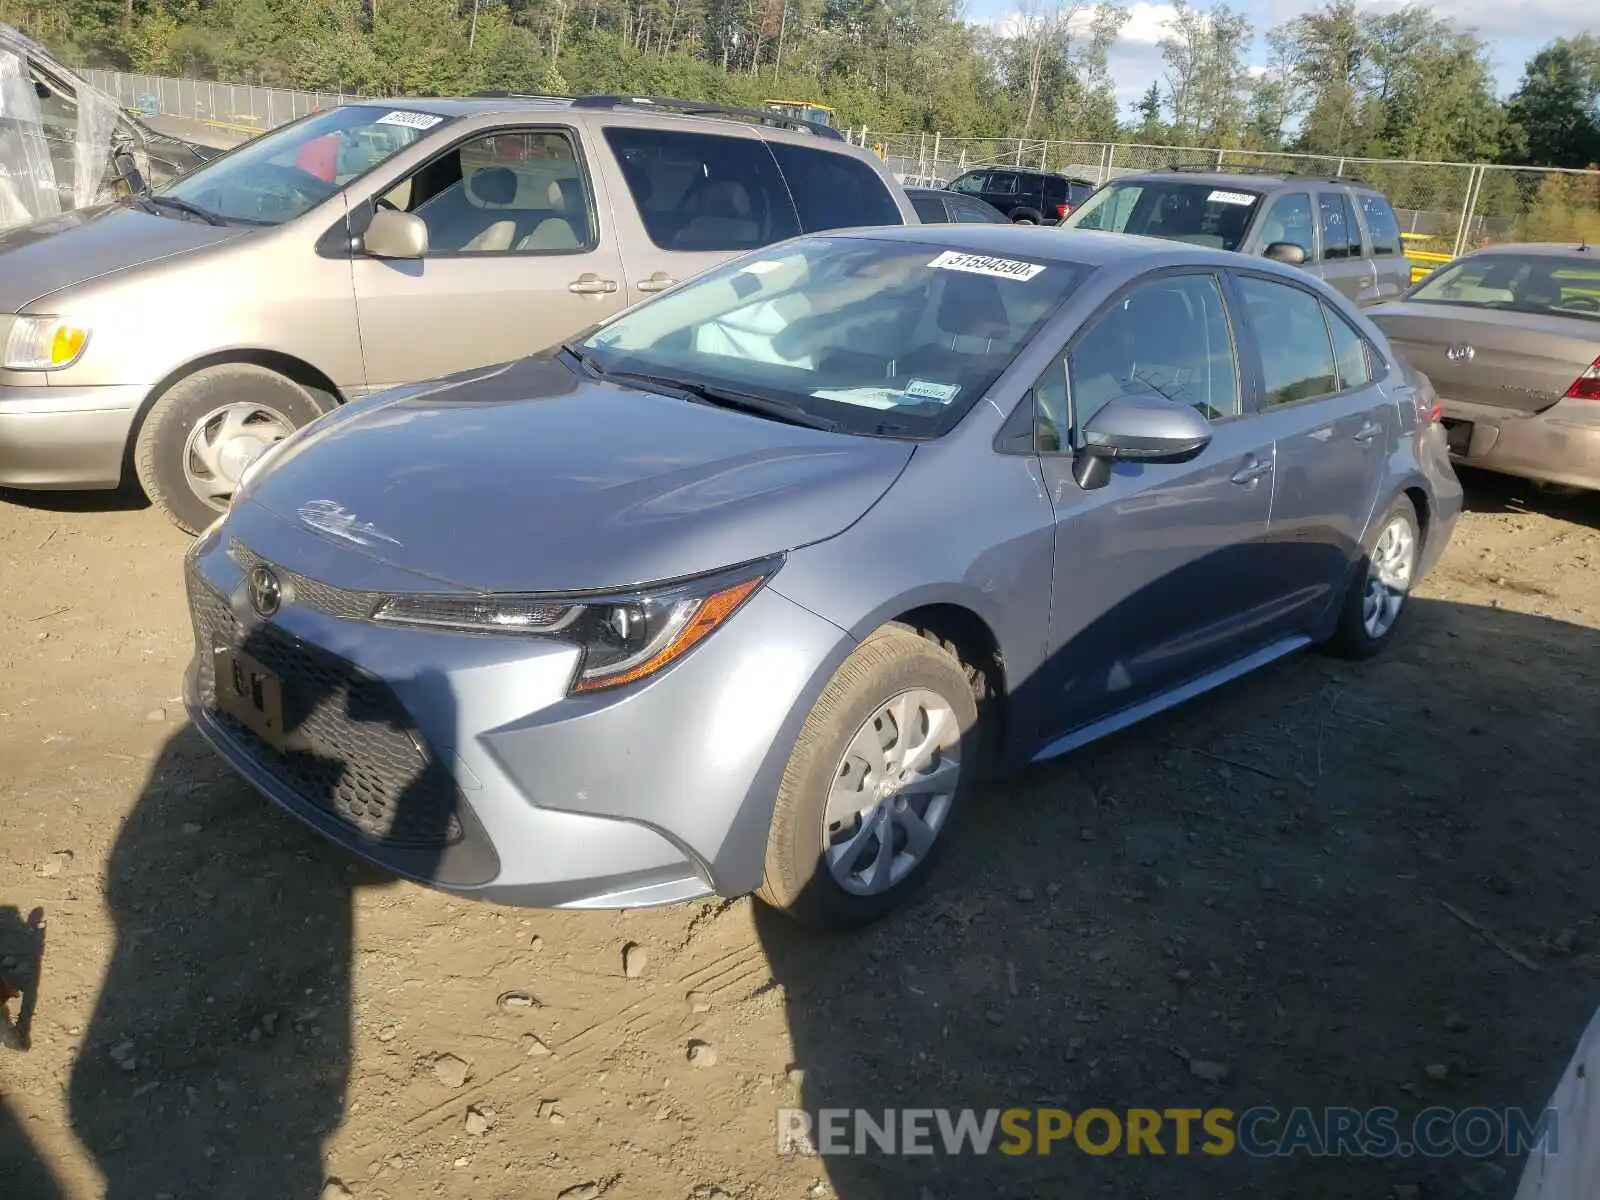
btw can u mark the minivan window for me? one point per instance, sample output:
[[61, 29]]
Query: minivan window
[[1289, 220], [832, 190], [879, 337], [287, 171], [704, 191], [1201, 214], [1292, 337], [1382, 225], [1340, 237]]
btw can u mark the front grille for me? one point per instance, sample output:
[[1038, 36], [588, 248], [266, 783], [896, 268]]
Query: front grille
[[352, 749], [313, 593]]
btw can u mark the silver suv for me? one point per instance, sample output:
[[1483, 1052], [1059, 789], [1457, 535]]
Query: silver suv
[[175, 335], [1339, 230]]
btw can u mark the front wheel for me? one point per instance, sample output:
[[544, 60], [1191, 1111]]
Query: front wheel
[[1377, 596], [880, 767], [205, 429], [1023, 221]]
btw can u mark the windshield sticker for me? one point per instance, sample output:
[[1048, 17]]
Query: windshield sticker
[[1220, 197], [763, 266], [982, 264], [921, 389], [411, 120]]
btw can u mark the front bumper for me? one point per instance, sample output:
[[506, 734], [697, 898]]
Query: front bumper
[[65, 437], [1559, 445], [653, 794]]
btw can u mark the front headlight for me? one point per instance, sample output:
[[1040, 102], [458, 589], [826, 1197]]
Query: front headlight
[[43, 343], [624, 636]]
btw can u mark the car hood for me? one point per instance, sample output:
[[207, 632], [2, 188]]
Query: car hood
[[526, 477], [83, 244]]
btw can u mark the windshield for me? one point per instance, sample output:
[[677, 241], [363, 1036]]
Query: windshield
[[1543, 284], [1201, 214], [281, 174], [878, 337]]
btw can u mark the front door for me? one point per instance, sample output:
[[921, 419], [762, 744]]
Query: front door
[[1334, 430], [518, 259], [1159, 575]]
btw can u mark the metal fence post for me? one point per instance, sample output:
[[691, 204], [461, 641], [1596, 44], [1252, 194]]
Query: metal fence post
[[1468, 206], [936, 139], [1019, 152]]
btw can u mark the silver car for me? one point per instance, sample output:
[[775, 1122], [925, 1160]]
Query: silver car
[[744, 589]]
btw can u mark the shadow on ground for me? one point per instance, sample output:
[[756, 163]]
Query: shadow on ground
[[124, 499], [1257, 881]]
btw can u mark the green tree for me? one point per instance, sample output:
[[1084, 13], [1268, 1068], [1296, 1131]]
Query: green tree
[[1553, 118]]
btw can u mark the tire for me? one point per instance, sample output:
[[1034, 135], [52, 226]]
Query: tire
[[265, 406], [1354, 637], [895, 666], [1023, 221]]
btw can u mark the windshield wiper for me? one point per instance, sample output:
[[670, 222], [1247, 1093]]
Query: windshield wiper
[[586, 361], [183, 206], [761, 406]]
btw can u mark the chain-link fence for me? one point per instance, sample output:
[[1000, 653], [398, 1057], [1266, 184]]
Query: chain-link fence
[[1445, 207]]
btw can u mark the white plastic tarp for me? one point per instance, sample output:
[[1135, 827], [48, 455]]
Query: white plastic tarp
[[28, 190]]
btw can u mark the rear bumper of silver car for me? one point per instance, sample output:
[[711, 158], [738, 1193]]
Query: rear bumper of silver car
[[1559, 445], [65, 437]]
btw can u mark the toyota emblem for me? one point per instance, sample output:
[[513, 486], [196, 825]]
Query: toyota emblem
[[266, 593], [1461, 353]]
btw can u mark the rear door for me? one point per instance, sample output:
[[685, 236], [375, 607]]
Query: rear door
[[686, 199], [521, 254], [1003, 190], [1344, 263], [1318, 398], [1391, 268]]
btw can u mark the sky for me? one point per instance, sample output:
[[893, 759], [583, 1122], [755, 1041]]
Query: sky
[[1513, 29]]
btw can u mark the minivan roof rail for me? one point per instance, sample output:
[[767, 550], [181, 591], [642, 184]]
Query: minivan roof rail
[[1351, 180], [700, 108]]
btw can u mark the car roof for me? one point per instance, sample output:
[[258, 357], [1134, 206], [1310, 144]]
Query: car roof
[[1247, 180], [1541, 250], [1082, 247], [475, 106]]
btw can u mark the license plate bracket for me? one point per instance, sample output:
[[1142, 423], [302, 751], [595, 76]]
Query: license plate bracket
[[251, 694]]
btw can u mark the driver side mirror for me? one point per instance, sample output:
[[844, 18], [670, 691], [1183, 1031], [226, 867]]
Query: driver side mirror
[[1140, 427], [393, 234], [1286, 252]]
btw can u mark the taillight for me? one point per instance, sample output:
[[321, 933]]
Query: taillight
[[1062, 210], [1587, 385], [1436, 413]]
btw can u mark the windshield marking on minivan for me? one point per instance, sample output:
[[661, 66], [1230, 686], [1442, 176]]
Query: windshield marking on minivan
[[1222, 197]]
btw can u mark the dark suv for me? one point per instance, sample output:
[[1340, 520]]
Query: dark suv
[[1342, 231], [1026, 196]]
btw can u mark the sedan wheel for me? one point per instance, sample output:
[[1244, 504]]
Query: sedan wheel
[[1377, 595], [874, 781]]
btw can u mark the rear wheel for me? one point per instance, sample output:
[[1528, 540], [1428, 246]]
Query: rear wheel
[[876, 775], [1377, 596], [206, 428], [1023, 221]]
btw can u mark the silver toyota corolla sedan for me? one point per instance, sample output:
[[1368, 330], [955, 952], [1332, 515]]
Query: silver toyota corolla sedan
[[746, 588]]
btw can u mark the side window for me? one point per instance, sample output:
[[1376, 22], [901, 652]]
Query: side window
[[1002, 183], [1289, 220], [833, 190], [704, 191], [930, 209], [512, 191], [970, 184], [975, 212], [1349, 352], [1051, 422], [1296, 355], [1382, 225], [1055, 190], [1077, 193], [1169, 336], [1340, 237]]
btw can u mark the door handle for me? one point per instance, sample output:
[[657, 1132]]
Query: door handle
[[590, 284], [659, 282], [1366, 433], [1252, 470]]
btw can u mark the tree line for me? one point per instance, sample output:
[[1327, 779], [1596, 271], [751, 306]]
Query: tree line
[[1342, 80]]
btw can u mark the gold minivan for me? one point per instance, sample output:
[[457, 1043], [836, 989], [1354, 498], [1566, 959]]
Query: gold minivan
[[171, 336]]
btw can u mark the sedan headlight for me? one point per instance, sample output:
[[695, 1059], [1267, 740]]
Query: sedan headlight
[[43, 343], [624, 636]]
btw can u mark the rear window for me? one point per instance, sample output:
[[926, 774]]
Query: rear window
[[1545, 284], [1382, 225], [929, 210], [1201, 214], [702, 191], [834, 191]]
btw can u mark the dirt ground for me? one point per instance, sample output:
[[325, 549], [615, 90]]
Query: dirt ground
[[226, 1007]]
